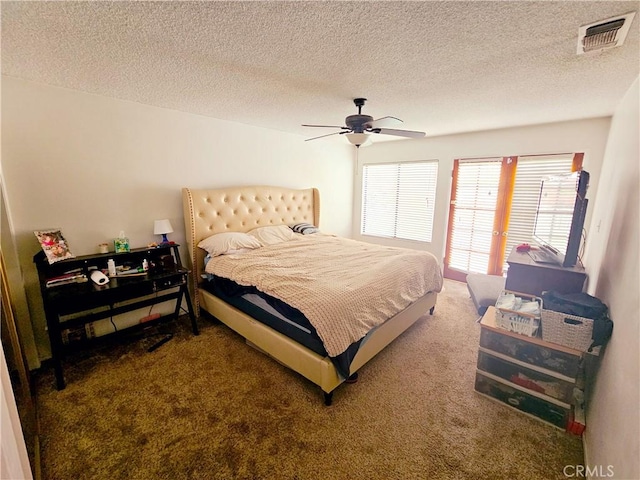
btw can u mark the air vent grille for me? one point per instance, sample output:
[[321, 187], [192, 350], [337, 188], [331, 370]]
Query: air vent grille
[[604, 34]]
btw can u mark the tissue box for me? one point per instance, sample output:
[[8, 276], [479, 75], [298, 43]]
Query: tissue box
[[121, 245]]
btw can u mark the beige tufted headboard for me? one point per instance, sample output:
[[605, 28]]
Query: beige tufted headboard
[[240, 209]]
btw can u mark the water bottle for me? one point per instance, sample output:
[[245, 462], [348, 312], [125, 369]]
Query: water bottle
[[111, 267]]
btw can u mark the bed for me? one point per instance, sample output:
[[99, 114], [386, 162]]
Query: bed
[[208, 212]]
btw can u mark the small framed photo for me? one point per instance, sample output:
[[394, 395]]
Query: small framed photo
[[54, 245]]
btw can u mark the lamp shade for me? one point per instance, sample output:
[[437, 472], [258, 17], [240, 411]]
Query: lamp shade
[[161, 227], [359, 139]]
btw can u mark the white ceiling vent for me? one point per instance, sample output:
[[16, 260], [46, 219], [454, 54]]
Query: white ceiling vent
[[604, 34]]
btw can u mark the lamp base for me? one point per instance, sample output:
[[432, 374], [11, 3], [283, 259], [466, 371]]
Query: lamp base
[[164, 238]]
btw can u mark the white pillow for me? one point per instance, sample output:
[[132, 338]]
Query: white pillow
[[228, 242], [273, 234]]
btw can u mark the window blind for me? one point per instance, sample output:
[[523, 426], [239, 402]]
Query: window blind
[[529, 173], [475, 205], [398, 200]]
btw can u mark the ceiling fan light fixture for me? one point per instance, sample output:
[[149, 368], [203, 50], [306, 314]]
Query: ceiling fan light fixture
[[358, 127], [359, 139]]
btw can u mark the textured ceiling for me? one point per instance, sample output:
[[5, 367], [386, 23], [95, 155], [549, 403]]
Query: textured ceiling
[[443, 67]]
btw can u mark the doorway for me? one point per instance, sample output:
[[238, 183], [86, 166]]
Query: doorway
[[493, 207]]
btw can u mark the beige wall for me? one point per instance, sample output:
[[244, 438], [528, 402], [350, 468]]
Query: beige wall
[[587, 136], [93, 166], [611, 258]]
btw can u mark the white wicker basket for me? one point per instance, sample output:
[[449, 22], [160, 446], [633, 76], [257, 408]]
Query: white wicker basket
[[517, 321], [568, 330]]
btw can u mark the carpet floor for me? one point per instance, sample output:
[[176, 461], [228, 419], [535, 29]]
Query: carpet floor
[[211, 407]]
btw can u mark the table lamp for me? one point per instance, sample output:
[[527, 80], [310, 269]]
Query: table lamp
[[162, 227]]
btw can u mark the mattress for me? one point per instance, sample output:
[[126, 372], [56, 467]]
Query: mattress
[[345, 288], [278, 315]]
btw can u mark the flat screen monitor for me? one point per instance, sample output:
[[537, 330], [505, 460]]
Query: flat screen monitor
[[560, 217]]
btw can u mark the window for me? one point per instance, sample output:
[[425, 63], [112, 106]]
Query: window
[[529, 173], [472, 221], [398, 200], [493, 209]]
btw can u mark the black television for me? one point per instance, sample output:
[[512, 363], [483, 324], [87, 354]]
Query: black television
[[562, 207]]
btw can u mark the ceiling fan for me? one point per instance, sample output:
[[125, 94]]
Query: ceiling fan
[[358, 127]]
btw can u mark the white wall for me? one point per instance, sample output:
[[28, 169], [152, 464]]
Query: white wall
[[588, 136], [93, 166], [611, 258]]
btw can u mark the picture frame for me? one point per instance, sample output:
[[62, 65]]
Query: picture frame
[[54, 245]]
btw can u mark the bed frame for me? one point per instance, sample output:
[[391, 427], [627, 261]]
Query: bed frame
[[241, 209]]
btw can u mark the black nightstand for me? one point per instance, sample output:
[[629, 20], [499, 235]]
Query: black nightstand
[[73, 305]]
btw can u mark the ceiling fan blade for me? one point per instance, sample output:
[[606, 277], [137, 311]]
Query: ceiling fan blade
[[397, 133], [383, 122], [322, 136], [326, 126]]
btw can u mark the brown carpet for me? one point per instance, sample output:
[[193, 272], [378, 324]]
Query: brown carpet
[[211, 407]]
